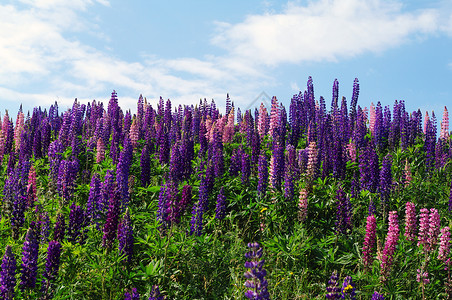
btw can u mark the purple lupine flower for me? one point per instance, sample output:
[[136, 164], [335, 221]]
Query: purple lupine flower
[[162, 214], [145, 165], [385, 179], [450, 197], [444, 244], [8, 275], [60, 228], [52, 267], [434, 229], [369, 241], [77, 223], [111, 224], [44, 225], [29, 267], [424, 227], [256, 282], [106, 187], [276, 166], [236, 163], [246, 169], [262, 174], [348, 290], [368, 168], [289, 184], [200, 207], [410, 222], [125, 237], [122, 171], [390, 245], [134, 296], [333, 291], [155, 293], [377, 296], [92, 209], [344, 212], [220, 210]]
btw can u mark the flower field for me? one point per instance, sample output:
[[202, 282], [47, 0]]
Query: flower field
[[309, 201]]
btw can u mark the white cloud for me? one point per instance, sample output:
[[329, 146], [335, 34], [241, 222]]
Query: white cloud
[[324, 30]]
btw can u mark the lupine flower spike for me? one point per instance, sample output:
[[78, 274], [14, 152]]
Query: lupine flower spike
[[256, 282]]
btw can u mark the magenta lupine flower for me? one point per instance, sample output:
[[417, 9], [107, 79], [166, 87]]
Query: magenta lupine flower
[[390, 245], [29, 267], [8, 275], [185, 198], [256, 282], [422, 276], [372, 118], [52, 267], [434, 229], [444, 244], [31, 187], [424, 227], [369, 241], [410, 222], [125, 237]]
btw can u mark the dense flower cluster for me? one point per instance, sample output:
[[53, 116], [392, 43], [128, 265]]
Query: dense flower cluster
[[256, 282], [392, 239]]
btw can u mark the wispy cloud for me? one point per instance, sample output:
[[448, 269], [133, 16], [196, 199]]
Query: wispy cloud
[[324, 30]]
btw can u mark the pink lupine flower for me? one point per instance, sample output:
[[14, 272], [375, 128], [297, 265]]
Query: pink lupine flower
[[390, 245], [426, 119], [303, 204], [422, 276], [444, 244], [410, 222], [369, 240], [444, 133], [18, 129], [408, 176], [312, 160], [31, 187], [423, 228], [274, 116], [228, 132], [372, 118], [351, 148], [434, 229], [100, 155], [262, 125], [134, 133]]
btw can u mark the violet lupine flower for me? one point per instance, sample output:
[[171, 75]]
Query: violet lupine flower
[[424, 227], [348, 290], [385, 179], [125, 237], [92, 208], [276, 166], [77, 223], [246, 169], [8, 275], [392, 239], [111, 224], [262, 174], [155, 293], [134, 296], [333, 291], [344, 212], [369, 241], [220, 210], [52, 267], [59, 229], [377, 296], [255, 276], [107, 186], [410, 222], [199, 208], [185, 198], [122, 171], [434, 229], [368, 168], [145, 165], [235, 163], [29, 267], [444, 244]]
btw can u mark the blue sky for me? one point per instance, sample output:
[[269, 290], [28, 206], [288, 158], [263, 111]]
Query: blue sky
[[58, 50]]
